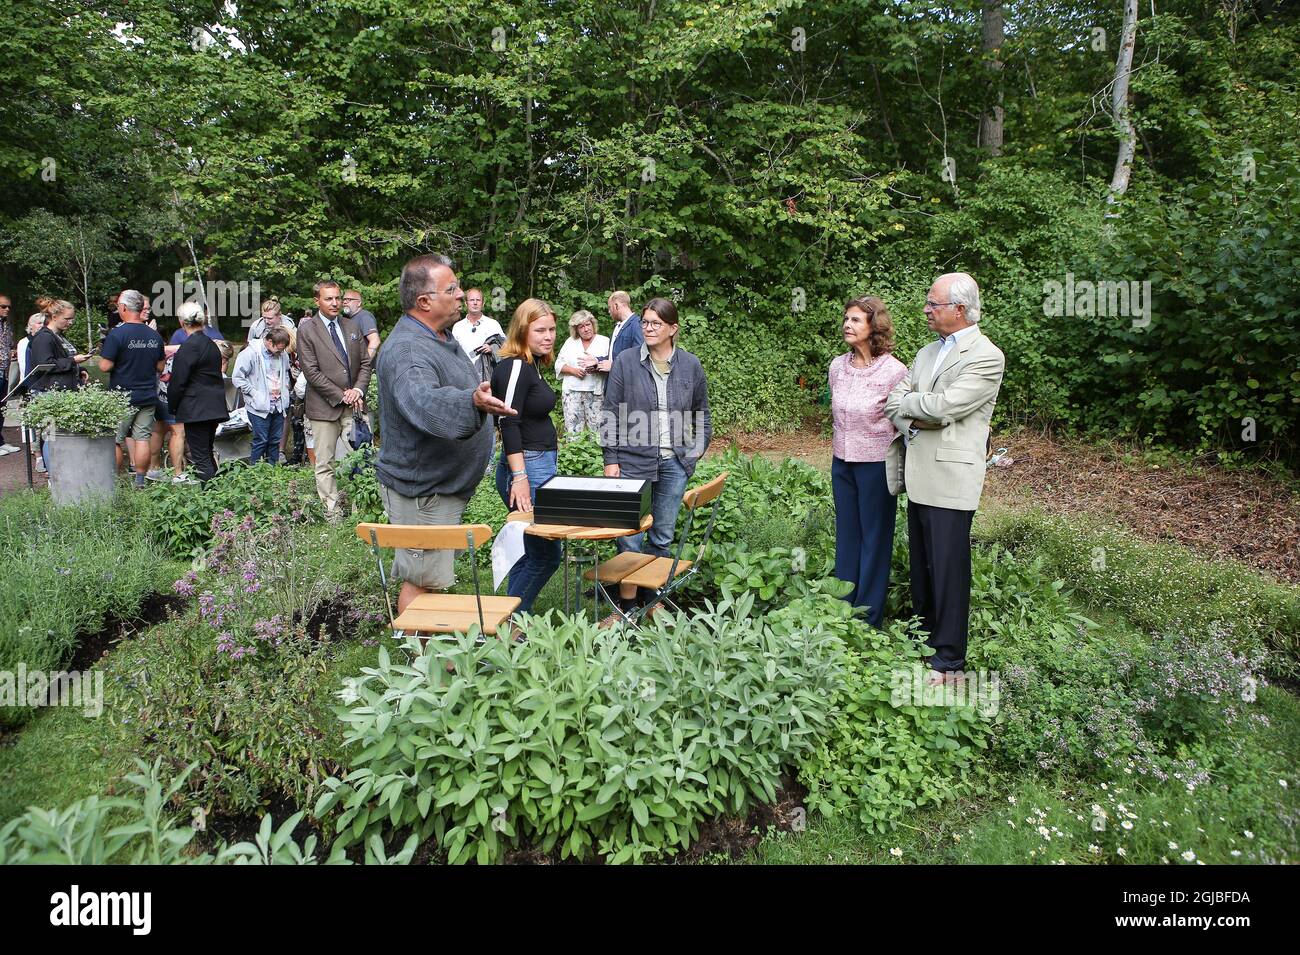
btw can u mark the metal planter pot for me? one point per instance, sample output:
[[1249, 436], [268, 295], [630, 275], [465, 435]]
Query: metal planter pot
[[82, 467]]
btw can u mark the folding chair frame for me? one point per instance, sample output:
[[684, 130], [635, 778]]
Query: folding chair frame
[[383, 578], [674, 582]]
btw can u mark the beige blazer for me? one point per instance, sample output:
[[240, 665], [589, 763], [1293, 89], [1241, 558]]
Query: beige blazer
[[945, 466]]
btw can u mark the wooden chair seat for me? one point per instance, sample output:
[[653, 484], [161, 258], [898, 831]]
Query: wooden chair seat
[[618, 567], [453, 613], [654, 574]]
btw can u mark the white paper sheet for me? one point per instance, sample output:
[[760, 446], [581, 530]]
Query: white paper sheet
[[507, 548]]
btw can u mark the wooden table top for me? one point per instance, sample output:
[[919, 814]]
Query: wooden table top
[[576, 532]]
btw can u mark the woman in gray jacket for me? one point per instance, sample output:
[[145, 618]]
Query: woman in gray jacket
[[655, 427]]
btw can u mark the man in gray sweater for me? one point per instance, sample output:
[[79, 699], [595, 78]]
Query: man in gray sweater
[[434, 418]]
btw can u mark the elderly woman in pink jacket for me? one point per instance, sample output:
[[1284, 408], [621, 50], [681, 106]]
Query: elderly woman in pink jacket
[[860, 381]]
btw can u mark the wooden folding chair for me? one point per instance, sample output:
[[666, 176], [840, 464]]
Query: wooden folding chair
[[436, 612], [663, 575]]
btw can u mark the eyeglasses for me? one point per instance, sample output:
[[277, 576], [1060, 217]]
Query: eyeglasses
[[652, 326], [930, 304]]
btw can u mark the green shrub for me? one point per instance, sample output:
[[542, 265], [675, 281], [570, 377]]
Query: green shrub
[[137, 829], [68, 571], [181, 514], [90, 411], [896, 745], [580, 742], [1161, 588], [240, 686], [356, 477]]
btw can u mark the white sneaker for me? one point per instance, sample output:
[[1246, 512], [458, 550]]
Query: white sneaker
[[40, 466], [8, 448], [183, 479]]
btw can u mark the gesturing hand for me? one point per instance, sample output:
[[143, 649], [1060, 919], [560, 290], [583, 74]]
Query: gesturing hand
[[488, 403]]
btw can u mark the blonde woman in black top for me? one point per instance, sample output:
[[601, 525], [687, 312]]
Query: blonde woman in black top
[[529, 445]]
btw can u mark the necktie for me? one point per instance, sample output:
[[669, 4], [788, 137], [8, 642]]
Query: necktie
[[338, 346]]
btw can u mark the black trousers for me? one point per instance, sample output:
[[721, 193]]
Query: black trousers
[[198, 440], [939, 549]]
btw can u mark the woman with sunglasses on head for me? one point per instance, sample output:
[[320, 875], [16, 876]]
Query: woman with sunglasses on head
[[860, 381], [655, 427]]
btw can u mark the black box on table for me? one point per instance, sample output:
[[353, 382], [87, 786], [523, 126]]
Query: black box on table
[[592, 502]]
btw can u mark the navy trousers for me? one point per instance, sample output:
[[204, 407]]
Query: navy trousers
[[939, 548], [864, 532]]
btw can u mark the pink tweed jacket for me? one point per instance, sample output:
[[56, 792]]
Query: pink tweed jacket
[[861, 432]]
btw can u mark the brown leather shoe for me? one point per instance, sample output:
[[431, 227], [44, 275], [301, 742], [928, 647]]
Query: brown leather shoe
[[613, 620]]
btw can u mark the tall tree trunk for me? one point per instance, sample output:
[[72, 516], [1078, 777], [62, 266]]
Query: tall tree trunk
[[1119, 102], [991, 118]]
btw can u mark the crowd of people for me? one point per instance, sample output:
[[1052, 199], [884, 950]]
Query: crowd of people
[[456, 388]]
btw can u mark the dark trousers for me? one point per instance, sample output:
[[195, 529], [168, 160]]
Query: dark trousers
[[198, 438], [864, 532], [266, 437], [939, 547]]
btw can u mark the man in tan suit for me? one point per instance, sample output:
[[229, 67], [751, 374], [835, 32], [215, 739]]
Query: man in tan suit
[[943, 408], [335, 360]]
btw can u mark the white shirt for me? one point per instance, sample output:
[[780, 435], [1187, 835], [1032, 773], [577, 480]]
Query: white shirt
[[570, 353], [948, 343], [470, 337], [22, 358]]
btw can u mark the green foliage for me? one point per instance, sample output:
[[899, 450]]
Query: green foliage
[[580, 742], [258, 722], [1161, 588], [89, 411], [181, 514], [581, 455], [897, 745], [360, 488], [136, 829], [67, 572]]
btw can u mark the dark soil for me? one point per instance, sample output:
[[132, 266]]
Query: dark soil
[[333, 620], [92, 647]]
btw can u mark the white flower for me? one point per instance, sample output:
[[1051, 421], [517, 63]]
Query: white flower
[[1121, 851], [1248, 834], [956, 837], [1282, 783], [1012, 800], [1189, 856], [1126, 824], [1095, 850], [896, 852], [1042, 831], [1174, 846], [1234, 853]]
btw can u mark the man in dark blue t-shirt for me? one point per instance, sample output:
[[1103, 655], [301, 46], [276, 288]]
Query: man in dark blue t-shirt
[[133, 356]]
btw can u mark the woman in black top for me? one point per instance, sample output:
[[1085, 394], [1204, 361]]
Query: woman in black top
[[196, 393], [529, 446], [48, 346]]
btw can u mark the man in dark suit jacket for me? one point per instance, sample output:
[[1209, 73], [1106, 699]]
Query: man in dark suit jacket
[[335, 360]]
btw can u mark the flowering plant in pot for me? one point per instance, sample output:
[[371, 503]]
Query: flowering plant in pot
[[78, 430]]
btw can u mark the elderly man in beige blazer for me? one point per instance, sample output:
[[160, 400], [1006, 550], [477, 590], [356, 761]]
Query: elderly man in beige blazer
[[942, 409], [334, 358]]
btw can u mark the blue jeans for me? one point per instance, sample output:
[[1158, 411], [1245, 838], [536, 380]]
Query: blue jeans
[[266, 436], [666, 492], [541, 557], [864, 533]]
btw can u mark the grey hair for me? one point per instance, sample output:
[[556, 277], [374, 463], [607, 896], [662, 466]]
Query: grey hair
[[38, 320], [580, 316], [130, 301], [965, 291], [190, 314], [417, 276]]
